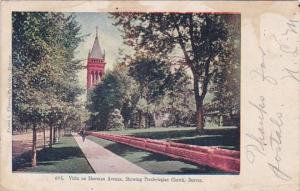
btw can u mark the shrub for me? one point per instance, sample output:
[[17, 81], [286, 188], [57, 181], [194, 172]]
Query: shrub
[[115, 120]]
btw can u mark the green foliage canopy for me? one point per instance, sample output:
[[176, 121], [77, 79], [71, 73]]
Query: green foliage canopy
[[45, 82], [207, 41]]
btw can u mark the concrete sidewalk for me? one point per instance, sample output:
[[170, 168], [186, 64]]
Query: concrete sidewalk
[[104, 161]]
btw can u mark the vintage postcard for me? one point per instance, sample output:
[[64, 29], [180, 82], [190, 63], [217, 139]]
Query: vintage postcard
[[150, 95]]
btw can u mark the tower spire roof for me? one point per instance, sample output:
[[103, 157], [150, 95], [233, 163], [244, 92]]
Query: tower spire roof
[[96, 50]]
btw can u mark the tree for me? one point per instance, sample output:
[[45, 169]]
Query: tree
[[43, 67], [152, 74], [204, 40], [115, 121], [114, 91], [226, 90], [179, 101], [154, 78]]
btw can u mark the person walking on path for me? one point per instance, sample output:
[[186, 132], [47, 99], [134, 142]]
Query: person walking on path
[[82, 134]]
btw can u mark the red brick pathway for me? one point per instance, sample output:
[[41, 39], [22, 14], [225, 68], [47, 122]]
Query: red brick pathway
[[104, 161]]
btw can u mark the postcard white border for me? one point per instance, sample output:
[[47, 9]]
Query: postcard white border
[[253, 176]]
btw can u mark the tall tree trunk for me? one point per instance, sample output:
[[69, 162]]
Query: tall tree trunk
[[51, 136], [149, 120], [44, 134], [143, 121], [147, 117], [146, 120], [59, 133], [177, 120], [54, 135], [140, 119], [199, 116], [199, 104], [94, 125], [33, 152]]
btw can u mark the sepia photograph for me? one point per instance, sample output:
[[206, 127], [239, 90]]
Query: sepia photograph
[[126, 92]]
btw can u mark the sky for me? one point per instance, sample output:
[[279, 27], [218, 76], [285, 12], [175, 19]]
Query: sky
[[109, 37]]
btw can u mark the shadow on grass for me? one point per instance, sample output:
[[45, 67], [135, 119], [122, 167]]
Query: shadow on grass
[[122, 149], [166, 134], [125, 151], [224, 138], [46, 156], [203, 169], [154, 157], [185, 133], [68, 135], [227, 142]]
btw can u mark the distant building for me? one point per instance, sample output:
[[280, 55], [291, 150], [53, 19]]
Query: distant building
[[95, 63]]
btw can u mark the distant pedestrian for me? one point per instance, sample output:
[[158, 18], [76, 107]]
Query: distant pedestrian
[[83, 134]]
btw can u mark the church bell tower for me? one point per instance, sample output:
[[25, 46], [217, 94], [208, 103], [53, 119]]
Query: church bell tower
[[95, 63]]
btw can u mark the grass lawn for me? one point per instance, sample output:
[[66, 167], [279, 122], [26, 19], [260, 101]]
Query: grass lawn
[[223, 137], [63, 157], [152, 162]]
